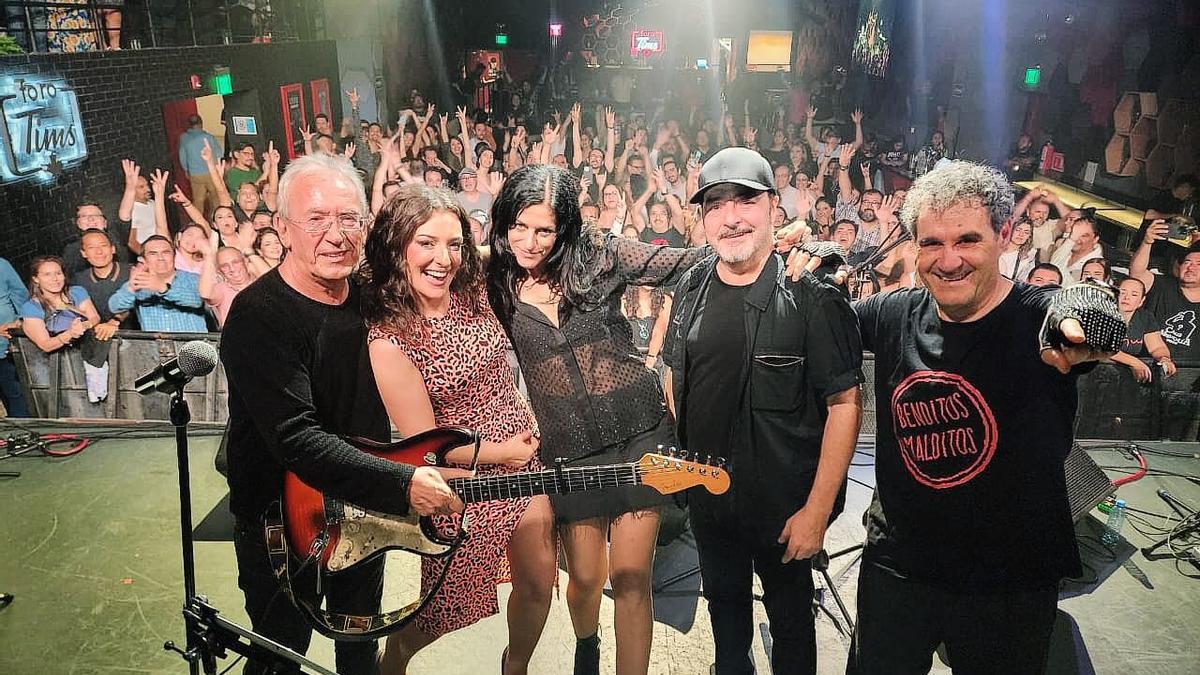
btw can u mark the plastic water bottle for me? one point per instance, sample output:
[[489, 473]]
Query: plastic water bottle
[[1112, 529]]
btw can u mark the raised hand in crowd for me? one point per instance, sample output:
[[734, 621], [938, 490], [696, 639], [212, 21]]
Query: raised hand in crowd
[[348, 151], [140, 278], [845, 153], [131, 171], [307, 134], [857, 116], [352, 95], [610, 118], [575, 114], [749, 135], [158, 183]]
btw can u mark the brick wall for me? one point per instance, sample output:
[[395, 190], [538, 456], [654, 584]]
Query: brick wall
[[120, 99]]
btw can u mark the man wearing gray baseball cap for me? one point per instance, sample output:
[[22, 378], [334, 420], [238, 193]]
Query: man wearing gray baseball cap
[[765, 371]]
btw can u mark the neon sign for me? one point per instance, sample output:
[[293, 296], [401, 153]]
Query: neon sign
[[41, 132], [645, 42]]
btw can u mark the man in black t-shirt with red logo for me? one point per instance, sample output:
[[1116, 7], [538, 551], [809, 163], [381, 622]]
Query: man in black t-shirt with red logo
[[970, 529]]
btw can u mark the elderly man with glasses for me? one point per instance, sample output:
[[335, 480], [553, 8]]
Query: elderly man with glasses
[[294, 350]]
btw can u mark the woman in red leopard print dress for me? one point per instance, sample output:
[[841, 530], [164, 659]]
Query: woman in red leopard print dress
[[439, 358]]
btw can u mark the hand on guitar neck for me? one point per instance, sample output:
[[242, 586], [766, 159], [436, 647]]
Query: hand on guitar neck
[[429, 494]]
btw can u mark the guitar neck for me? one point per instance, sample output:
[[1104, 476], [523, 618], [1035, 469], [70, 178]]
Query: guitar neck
[[513, 486]]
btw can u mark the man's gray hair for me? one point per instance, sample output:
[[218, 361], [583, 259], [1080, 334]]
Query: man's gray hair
[[959, 182], [323, 165]]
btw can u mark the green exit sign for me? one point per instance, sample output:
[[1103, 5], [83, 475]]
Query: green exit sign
[[223, 81], [1033, 77], [501, 40]]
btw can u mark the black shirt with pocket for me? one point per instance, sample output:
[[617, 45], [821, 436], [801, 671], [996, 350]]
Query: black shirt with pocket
[[101, 289], [299, 377], [798, 346], [972, 432]]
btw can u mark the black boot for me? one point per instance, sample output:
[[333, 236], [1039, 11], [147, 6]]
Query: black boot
[[587, 655]]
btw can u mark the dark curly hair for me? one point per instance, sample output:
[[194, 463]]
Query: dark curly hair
[[387, 296], [578, 255]]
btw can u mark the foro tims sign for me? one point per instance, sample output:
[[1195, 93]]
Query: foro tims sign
[[41, 132]]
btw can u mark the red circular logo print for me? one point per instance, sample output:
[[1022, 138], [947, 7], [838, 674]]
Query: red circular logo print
[[945, 429]]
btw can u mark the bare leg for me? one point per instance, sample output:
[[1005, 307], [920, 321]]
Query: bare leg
[[586, 545], [631, 559], [532, 557], [401, 647]]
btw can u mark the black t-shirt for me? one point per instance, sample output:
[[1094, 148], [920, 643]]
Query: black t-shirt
[[714, 365], [299, 376], [1140, 323], [671, 238], [970, 485], [1178, 316], [100, 290]]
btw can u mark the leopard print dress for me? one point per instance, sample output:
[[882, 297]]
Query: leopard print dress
[[462, 359]]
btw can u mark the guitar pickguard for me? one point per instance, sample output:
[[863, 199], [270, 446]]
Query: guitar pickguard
[[368, 533]]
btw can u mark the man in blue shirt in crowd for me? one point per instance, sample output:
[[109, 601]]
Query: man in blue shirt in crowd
[[166, 300], [13, 294], [204, 191]]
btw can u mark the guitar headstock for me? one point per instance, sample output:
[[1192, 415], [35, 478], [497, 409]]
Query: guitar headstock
[[670, 470]]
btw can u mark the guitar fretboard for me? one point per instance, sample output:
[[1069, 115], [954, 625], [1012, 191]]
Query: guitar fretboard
[[547, 482]]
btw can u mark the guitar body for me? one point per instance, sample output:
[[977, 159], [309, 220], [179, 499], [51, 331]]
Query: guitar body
[[343, 534]]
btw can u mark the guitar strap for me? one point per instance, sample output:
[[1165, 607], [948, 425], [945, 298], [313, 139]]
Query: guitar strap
[[335, 625]]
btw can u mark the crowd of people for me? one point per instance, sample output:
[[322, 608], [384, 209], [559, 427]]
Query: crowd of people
[[625, 256]]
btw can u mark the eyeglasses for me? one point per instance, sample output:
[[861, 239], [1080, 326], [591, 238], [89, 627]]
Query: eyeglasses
[[348, 222]]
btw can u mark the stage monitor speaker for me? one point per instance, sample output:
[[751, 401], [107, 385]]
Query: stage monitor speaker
[[1087, 485]]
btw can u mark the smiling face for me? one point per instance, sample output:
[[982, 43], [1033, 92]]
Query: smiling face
[[1039, 212], [1083, 237], [49, 276], [232, 265], [532, 236], [1189, 271], [247, 197], [330, 256], [97, 249], [432, 259], [737, 222], [456, 147], [90, 217], [844, 234], [271, 247], [595, 159], [958, 256]]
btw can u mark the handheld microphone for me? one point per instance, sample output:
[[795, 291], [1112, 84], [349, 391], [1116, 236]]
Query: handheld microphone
[[195, 358], [1176, 505]]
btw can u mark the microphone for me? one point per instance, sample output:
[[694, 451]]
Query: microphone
[[1176, 505], [195, 358]]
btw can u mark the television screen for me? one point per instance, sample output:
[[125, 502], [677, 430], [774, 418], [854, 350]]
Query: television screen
[[873, 38], [769, 51]]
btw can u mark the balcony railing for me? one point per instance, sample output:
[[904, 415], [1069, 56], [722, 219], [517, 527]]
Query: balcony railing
[[86, 25]]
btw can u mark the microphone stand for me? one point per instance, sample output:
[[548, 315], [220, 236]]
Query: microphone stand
[[210, 636], [880, 254]]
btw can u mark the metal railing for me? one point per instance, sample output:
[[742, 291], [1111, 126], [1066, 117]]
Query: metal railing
[[79, 25]]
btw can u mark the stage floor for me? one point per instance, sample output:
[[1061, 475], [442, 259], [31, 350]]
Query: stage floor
[[91, 553]]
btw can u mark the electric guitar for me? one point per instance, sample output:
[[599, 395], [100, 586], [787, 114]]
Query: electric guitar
[[342, 535]]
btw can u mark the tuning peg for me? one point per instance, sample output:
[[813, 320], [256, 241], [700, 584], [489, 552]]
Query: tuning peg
[[708, 460], [660, 449]]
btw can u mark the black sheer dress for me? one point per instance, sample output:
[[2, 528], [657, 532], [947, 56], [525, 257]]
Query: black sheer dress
[[594, 398]]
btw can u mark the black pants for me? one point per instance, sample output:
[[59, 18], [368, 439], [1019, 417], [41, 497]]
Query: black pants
[[272, 614], [902, 622], [730, 554]]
